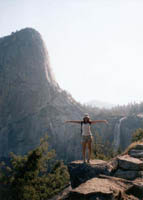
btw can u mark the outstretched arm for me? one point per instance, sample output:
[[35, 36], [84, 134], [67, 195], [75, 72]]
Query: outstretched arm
[[99, 121], [71, 121]]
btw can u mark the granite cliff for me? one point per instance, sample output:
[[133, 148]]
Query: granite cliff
[[31, 102]]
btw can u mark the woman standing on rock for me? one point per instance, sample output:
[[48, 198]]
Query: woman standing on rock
[[86, 134]]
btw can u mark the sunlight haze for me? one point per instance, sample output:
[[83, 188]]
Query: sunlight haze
[[95, 46]]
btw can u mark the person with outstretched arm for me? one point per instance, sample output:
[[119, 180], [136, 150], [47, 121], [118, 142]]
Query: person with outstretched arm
[[86, 134]]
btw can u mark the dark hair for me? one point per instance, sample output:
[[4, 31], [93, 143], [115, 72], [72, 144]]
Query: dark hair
[[89, 121]]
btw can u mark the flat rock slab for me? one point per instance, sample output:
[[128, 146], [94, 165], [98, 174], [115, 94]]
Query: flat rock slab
[[127, 162], [81, 172], [108, 188]]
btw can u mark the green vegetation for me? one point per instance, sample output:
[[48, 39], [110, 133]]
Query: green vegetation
[[36, 176], [103, 151], [137, 135]]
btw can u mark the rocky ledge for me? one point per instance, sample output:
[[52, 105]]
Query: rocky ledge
[[120, 178]]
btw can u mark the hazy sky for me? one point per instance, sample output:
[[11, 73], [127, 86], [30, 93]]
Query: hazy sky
[[95, 46]]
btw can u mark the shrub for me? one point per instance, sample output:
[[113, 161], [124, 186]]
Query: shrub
[[137, 135]]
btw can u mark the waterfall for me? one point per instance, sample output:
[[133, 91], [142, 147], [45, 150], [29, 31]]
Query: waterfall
[[116, 141]]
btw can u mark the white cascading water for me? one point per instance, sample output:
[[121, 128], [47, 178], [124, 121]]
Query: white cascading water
[[116, 141]]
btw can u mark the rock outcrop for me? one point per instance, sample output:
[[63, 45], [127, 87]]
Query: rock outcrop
[[81, 172], [121, 178]]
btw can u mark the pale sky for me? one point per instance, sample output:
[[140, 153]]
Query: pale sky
[[95, 46]]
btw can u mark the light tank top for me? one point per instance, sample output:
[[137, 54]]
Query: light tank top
[[86, 129]]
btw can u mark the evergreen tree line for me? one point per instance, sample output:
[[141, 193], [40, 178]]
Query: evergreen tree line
[[119, 110]]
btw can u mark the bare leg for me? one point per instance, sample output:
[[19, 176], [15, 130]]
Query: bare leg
[[83, 150], [89, 151]]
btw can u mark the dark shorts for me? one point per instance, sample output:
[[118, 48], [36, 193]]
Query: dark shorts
[[87, 138]]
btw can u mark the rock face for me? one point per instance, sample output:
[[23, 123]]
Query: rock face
[[31, 102], [80, 173], [121, 178]]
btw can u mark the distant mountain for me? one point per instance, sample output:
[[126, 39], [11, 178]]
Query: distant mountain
[[100, 104]]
